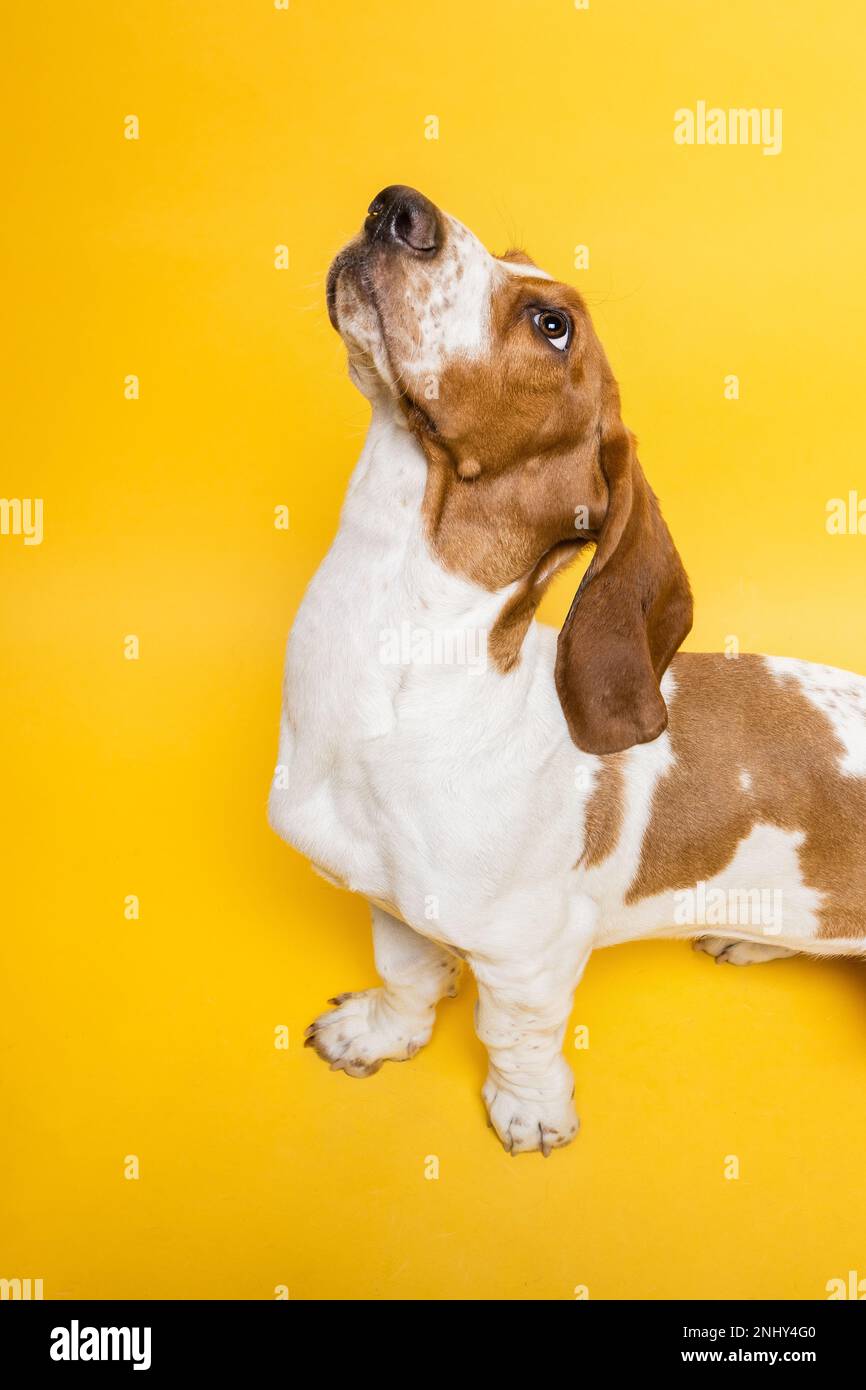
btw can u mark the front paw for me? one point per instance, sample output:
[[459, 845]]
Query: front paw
[[525, 1124], [363, 1031]]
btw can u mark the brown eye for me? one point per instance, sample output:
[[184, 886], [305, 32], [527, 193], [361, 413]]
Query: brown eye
[[554, 326]]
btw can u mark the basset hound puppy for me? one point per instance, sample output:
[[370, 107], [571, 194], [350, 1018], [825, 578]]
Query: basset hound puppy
[[504, 795]]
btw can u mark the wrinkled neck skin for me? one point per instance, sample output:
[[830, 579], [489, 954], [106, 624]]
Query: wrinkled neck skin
[[383, 512], [388, 621], [382, 517]]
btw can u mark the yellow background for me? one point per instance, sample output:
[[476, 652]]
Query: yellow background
[[156, 1038]]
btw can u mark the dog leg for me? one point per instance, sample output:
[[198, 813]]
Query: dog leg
[[739, 952], [392, 1022], [524, 1001]]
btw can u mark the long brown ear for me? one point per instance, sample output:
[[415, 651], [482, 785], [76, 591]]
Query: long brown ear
[[629, 616]]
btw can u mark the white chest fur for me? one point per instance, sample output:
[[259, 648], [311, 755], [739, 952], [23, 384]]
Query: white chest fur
[[409, 769]]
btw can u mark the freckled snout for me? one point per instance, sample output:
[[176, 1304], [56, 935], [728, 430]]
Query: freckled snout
[[402, 217], [402, 232], [408, 293], [388, 287]]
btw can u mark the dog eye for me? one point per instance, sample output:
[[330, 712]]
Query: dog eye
[[554, 326]]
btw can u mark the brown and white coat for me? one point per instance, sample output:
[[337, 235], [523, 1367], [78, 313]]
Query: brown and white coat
[[502, 794]]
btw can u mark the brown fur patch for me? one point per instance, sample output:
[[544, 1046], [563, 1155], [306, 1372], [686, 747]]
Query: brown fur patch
[[604, 813], [528, 462], [517, 256], [729, 717], [509, 630], [513, 452]]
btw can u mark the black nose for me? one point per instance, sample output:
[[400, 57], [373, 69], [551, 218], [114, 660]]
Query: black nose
[[405, 218]]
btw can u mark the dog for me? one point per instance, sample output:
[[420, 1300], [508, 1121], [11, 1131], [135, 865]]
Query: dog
[[570, 790]]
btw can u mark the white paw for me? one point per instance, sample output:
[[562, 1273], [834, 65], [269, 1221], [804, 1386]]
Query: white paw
[[525, 1124], [363, 1031], [739, 952]]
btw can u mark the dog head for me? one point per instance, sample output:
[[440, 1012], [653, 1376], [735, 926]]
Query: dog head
[[497, 370]]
